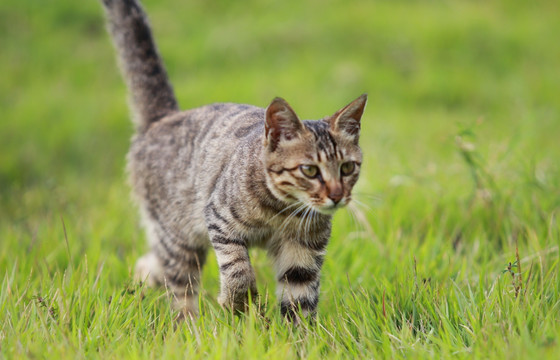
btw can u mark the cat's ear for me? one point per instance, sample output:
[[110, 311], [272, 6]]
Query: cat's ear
[[282, 123], [346, 121]]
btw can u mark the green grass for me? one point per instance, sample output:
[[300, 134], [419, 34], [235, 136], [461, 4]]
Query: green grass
[[461, 169]]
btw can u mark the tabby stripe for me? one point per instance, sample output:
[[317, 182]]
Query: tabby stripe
[[252, 186], [270, 204], [173, 241], [217, 178], [204, 132], [278, 205], [228, 241], [217, 215], [292, 307], [169, 247], [313, 131], [227, 249], [165, 262], [244, 131], [335, 149], [315, 287], [305, 303], [169, 253], [298, 275], [319, 138], [241, 273], [217, 229], [237, 217], [319, 261], [191, 260], [178, 279], [229, 264], [186, 280], [260, 191], [316, 245]]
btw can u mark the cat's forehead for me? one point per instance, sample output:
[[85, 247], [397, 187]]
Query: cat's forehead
[[322, 140], [319, 145], [325, 143]]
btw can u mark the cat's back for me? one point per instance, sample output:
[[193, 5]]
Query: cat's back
[[196, 131], [175, 152]]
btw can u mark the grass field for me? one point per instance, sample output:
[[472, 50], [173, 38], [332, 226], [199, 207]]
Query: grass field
[[461, 177]]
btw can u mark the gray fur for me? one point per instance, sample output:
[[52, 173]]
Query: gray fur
[[230, 176], [152, 94]]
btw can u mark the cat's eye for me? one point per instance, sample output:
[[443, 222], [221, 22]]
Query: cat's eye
[[311, 171], [347, 168]]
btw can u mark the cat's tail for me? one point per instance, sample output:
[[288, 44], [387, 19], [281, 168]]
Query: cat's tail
[[141, 64]]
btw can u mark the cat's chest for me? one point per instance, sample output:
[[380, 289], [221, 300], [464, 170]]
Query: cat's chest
[[277, 229], [259, 237]]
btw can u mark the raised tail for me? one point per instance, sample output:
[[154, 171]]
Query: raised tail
[[141, 64]]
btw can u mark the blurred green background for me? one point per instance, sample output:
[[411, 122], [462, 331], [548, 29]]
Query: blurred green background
[[430, 68], [461, 132]]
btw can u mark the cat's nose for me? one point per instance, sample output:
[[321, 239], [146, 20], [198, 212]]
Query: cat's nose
[[336, 198], [336, 194]]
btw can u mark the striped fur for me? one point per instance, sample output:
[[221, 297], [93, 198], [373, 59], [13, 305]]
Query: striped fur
[[231, 176], [152, 94]]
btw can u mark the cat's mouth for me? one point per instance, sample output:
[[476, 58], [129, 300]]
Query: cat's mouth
[[327, 207], [330, 208], [327, 210]]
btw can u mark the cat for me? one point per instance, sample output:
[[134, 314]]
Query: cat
[[230, 176]]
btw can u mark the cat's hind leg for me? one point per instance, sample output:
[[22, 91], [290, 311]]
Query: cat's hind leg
[[148, 270], [181, 270], [175, 261]]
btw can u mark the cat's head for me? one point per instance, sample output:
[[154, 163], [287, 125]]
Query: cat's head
[[315, 163]]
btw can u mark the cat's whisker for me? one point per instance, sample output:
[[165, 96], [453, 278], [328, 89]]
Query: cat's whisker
[[310, 220], [350, 210], [305, 210], [362, 220], [304, 220], [282, 211], [360, 203], [313, 219], [371, 198], [294, 213]]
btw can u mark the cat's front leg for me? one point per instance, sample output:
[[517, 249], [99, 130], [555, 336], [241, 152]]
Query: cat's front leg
[[237, 278], [298, 266]]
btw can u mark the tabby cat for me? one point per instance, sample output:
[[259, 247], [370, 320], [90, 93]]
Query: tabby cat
[[230, 176]]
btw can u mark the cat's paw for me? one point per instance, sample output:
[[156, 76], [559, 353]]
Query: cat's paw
[[148, 270], [238, 301], [187, 308]]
